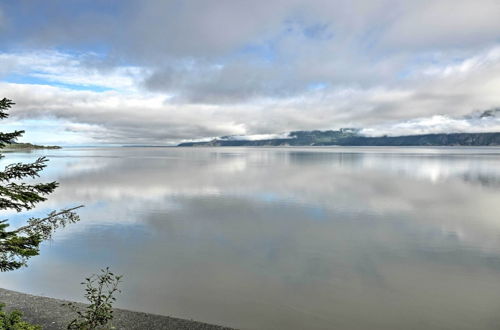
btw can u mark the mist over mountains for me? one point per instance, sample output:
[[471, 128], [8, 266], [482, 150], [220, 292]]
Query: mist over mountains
[[439, 130], [326, 138]]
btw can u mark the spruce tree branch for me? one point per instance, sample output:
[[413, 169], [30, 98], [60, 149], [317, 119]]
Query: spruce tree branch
[[40, 221], [21, 170], [9, 138], [5, 104], [23, 196]]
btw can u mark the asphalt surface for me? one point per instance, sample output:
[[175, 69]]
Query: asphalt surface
[[50, 314]]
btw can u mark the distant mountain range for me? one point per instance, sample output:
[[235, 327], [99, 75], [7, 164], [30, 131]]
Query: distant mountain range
[[351, 137]]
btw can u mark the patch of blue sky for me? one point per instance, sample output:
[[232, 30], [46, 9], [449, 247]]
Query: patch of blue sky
[[405, 74], [369, 40], [310, 30], [318, 32], [264, 51], [92, 88], [317, 86], [428, 60], [76, 8], [99, 51], [36, 80], [438, 59], [46, 131]]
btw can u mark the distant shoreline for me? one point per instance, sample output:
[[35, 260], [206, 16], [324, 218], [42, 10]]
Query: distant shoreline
[[27, 146], [50, 314]]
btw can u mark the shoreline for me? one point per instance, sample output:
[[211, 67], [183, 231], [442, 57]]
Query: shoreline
[[50, 314], [27, 146]]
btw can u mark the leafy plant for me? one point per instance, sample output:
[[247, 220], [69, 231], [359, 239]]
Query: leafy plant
[[99, 291], [13, 321]]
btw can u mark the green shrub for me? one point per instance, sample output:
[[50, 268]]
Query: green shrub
[[13, 321], [99, 291]]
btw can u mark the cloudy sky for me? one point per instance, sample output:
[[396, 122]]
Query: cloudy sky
[[165, 71]]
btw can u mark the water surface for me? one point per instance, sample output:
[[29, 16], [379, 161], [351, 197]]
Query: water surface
[[280, 238]]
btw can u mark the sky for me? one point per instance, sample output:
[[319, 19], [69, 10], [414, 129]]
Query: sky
[[167, 71]]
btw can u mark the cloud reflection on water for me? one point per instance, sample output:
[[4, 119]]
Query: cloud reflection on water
[[283, 237]]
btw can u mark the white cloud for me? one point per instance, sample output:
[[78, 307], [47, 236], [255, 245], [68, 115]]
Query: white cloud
[[57, 67], [436, 124], [170, 72], [254, 137]]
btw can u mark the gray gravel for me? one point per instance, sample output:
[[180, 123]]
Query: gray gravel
[[49, 313]]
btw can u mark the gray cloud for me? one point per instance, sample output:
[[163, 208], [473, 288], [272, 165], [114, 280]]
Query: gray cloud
[[445, 23], [175, 70]]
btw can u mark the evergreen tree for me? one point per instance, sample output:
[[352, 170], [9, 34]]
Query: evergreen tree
[[22, 243]]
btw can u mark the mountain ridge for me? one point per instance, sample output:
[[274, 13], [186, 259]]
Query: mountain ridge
[[351, 137]]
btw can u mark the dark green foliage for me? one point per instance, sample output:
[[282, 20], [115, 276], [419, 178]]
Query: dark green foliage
[[99, 291], [18, 245], [452, 139], [7, 138], [13, 321], [28, 146]]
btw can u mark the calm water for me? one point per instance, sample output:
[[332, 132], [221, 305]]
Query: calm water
[[281, 238]]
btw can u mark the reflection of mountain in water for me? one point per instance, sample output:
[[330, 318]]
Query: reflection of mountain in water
[[434, 165], [483, 180], [439, 168]]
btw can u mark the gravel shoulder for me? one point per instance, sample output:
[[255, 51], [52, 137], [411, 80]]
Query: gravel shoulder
[[49, 313]]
